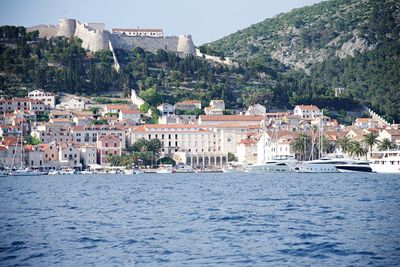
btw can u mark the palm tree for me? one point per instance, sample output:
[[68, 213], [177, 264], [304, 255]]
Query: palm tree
[[370, 140], [302, 145], [344, 143], [386, 144], [356, 149]]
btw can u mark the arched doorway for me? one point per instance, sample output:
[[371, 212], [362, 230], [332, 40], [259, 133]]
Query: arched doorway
[[224, 160], [212, 161], [206, 161]]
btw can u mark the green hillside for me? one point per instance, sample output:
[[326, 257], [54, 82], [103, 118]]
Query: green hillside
[[342, 43]]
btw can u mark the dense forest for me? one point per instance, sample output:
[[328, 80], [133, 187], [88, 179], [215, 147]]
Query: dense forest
[[316, 59]]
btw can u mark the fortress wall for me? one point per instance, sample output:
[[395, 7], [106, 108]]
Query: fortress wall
[[147, 43], [92, 40], [44, 30]]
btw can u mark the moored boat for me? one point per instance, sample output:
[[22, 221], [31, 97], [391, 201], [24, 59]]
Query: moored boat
[[385, 161], [279, 164]]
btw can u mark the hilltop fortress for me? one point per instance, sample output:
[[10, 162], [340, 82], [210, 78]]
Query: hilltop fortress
[[94, 37]]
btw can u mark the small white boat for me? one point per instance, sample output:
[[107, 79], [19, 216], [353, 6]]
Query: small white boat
[[26, 172], [385, 161], [85, 172], [165, 170], [3, 174], [232, 168], [54, 172], [67, 171]]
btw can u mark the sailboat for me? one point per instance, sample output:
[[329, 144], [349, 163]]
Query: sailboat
[[278, 163], [321, 165], [21, 171]]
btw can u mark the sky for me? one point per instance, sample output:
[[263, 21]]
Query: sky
[[205, 20]]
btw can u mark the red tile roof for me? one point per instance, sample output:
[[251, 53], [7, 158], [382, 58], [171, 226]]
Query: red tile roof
[[308, 107]]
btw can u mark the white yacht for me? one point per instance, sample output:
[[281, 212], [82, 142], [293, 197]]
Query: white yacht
[[317, 166], [278, 164], [385, 161], [339, 163]]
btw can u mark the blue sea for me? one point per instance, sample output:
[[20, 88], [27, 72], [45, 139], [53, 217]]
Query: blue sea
[[201, 220]]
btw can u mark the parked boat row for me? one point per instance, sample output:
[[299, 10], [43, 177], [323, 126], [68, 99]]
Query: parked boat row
[[387, 162]]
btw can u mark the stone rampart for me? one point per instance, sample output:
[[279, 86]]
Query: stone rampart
[[45, 31], [147, 43], [94, 38]]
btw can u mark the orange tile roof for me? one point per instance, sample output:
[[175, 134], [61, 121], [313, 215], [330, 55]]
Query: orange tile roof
[[247, 142], [117, 106], [308, 107]]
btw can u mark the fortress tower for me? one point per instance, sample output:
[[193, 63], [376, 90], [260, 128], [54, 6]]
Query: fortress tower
[[66, 28], [185, 45]]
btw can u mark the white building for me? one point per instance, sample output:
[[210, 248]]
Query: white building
[[216, 107], [247, 151], [72, 102], [192, 144], [139, 32], [88, 153], [69, 156], [256, 109], [391, 134], [307, 112], [90, 134], [177, 119], [47, 98], [132, 115], [114, 108], [136, 99], [166, 109], [366, 123], [275, 144]]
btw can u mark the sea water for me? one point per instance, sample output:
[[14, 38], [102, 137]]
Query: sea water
[[201, 219]]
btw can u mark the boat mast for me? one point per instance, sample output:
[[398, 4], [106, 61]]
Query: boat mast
[[321, 134]]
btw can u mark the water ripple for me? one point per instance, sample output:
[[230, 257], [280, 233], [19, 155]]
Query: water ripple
[[207, 219]]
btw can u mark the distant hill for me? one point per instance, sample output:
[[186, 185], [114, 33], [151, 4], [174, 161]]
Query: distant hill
[[341, 43]]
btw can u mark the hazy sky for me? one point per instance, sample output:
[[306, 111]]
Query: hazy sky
[[205, 20]]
